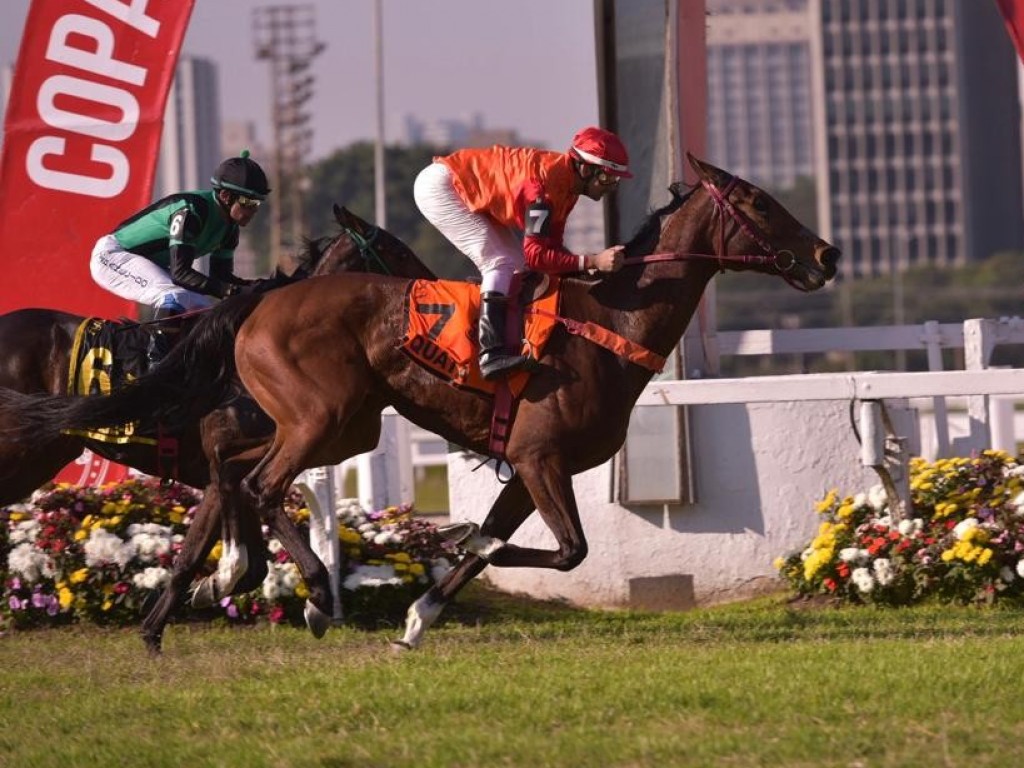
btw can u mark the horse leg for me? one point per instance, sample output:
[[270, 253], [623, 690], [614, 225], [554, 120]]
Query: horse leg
[[199, 540], [508, 512], [240, 533]]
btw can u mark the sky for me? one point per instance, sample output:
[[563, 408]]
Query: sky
[[527, 65]]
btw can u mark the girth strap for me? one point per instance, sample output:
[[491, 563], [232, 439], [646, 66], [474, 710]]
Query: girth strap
[[610, 340]]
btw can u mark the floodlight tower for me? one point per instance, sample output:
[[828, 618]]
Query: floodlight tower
[[285, 36]]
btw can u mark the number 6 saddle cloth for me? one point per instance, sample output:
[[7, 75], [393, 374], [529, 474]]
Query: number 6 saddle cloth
[[441, 330], [107, 354]]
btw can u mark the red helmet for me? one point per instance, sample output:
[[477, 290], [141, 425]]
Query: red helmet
[[600, 147]]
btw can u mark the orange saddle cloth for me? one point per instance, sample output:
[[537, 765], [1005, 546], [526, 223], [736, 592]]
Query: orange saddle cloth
[[440, 331]]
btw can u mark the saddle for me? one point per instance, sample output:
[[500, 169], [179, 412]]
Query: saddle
[[106, 354], [441, 336], [440, 331]]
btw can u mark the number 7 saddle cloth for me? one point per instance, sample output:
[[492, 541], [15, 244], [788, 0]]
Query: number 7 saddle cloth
[[441, 330]]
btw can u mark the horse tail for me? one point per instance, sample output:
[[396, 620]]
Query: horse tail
[[192, 380]]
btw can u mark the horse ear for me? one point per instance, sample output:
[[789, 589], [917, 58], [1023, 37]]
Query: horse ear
[[349, 220], [707, 171]]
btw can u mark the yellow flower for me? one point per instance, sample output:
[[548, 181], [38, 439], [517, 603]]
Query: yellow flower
[[107, 605], [778, 562], [217, 551], [985, 556], [947, 555], [417, 569], [81, 534], [301, 590], [825, 504], [66, 597], [80, 575], [349, 536], [400, 557]]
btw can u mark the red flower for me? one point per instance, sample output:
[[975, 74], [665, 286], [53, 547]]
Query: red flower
[[121, 587], [843, 570], [276, 614], [831, 585], [894, 535]]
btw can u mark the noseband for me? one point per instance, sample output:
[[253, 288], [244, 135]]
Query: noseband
[[782, 261]]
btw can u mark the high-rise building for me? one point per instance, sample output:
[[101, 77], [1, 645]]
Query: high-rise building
[[760, 121], [190, 142], [919, 128]]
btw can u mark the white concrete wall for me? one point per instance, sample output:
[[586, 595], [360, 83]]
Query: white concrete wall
[[759, 469]]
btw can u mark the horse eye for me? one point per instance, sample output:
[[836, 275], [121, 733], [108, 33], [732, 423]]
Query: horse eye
[[761, 205]]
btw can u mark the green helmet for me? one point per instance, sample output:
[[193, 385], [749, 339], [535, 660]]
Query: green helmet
[[241, 175]]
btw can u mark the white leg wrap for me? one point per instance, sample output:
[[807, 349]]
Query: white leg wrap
[[234, 562], [421, 615], [467, 537]]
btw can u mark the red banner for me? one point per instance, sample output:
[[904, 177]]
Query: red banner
[[81, 140], [1013, 14]]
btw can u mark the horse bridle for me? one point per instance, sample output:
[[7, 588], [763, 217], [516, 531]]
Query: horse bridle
[[368, 253], [783, 260]]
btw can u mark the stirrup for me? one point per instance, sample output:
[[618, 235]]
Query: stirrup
[[496, 365]]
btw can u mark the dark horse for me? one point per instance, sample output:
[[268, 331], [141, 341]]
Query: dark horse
[[321, 359], [35, 346]]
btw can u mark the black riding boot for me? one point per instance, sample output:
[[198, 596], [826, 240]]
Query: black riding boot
[[161, 338], [495, 359]]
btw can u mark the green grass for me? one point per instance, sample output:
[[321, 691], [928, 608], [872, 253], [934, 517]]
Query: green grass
[[505, 682]]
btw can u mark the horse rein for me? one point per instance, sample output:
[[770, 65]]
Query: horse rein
[[366, 249], [783, 261]]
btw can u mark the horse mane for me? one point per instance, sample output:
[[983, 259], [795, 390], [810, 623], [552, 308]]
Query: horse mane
[[647, 234], [312, 251]]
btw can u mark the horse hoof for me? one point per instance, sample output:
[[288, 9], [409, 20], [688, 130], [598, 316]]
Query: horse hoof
[[400, 646], [317, 621], [204, 595], [456, 533]]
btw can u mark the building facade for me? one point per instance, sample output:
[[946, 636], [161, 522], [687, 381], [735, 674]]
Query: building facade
[[919, 130], [759, 116], [190, 144]]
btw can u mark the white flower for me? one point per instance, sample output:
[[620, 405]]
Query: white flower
[[863, 579], [860, 500], [1020, 568], [371, 576], [883, 571], [963, 526], [910, 527], [852, 554], [274, 546], [1018, 504], [439, 569], [1006, 574], [25, 531], [152, 578], [104, 547], [877, 498], [31, 564], [806, 553], [271, 590], [1013, 470]]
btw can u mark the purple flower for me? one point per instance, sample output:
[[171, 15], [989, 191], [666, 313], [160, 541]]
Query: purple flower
[[230, 608], [16, 604], [15, 583], [38, 599]]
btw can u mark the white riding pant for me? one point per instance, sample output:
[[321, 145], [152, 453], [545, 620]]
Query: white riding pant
[[496, 250], [136, 278]]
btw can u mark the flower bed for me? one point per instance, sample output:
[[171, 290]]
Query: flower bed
[[86, 554], [963, 542]]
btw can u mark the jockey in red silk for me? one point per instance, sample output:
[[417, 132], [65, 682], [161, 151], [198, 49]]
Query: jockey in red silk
[[481, 199]]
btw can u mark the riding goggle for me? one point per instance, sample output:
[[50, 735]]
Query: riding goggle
[[248, 202], [606, 179]]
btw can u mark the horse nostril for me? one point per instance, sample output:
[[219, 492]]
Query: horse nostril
[[829, 260]]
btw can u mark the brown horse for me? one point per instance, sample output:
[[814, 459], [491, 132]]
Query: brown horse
[[35, 347], [321, 358]]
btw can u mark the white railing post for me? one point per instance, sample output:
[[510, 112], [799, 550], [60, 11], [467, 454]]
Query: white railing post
[[317, 487], [932, 339], [979, 340]]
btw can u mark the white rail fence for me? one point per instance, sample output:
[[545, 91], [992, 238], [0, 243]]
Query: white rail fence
[[385, 475]]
